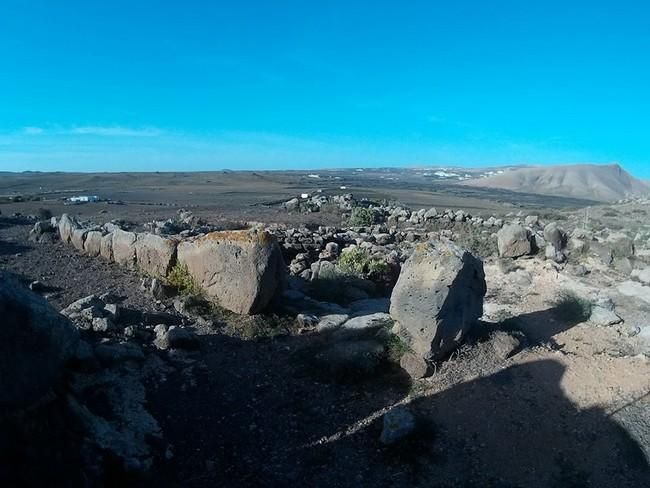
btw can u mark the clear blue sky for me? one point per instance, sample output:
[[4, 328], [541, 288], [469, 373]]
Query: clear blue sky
[[172, 85]]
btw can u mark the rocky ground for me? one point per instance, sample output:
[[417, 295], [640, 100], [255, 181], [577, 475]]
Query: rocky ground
[[535, 396]]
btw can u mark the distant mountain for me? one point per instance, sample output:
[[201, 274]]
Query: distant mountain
[[587, 181]]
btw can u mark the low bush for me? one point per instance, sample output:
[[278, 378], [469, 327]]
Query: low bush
[[363, 217], [179, 277], [571, 307], [358, 262]]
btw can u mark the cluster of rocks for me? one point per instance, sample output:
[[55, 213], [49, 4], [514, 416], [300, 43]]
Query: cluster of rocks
[[241, 270], [59, 389], [186, 224], [315, 203]]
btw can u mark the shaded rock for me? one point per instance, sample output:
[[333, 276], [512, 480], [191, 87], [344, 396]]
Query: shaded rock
[[398, 423], [306, 321], [438, 298], [36, 343], [242, 270], [370, 305], [374, 320], [505, 344], [331, 321], [416, 366], [102, 324], [116, 353], [174, 338]]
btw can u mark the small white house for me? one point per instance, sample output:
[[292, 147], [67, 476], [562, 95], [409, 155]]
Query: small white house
[[84, 199]]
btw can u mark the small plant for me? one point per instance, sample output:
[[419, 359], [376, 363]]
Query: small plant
[[396, 348], [362, 217], [359, 262], [570, 307], [480, 245], [179, 277]]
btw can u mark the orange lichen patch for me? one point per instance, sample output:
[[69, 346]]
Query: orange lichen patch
[[252, 236]]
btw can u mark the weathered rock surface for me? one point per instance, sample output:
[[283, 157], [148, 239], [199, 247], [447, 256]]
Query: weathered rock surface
[[513, 241], [67, 225], [36, 343], [124, 247], [106, 247], [437, 298], [93, 243], [155, 255], [242, 270]]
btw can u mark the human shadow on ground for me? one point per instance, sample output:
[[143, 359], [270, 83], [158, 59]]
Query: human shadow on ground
[[515, 428]]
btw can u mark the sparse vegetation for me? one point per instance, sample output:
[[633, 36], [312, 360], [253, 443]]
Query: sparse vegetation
[[396, 348], [479, 244], [358, 262], [571, 307], [363, 217], [179, 277]]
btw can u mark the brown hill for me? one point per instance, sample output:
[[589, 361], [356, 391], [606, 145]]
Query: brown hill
[[588, 181]]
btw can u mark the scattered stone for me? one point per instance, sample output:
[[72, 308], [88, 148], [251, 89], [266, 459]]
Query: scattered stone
[[174, 338], [414, 365], [306, 321], [398, 423], [331, 321]]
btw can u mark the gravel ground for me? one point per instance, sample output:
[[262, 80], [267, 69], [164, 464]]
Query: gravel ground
[[243, 412]]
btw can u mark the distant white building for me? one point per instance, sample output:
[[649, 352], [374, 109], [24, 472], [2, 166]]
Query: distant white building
[[84, 199]]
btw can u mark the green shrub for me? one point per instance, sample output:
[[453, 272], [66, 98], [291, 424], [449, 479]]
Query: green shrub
[[362, 217], [179, 277], [570, 307], [359, 262]]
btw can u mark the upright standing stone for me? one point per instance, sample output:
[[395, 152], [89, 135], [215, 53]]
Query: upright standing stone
[[438, 297]]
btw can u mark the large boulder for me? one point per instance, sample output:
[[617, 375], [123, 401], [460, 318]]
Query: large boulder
[[124, 247], [67, 225], [555, 236], [93, 243], [106, 247], [621, 245], [242, 270], [155, 255], [437, 298], [78, 238], [513, 241], [36, 343]]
